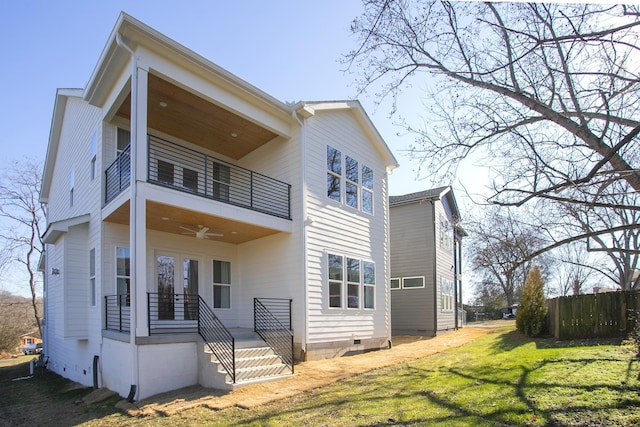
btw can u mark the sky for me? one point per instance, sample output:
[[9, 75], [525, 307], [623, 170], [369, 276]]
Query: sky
[[291, 49]]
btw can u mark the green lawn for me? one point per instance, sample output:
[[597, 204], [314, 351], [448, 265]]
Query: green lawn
[[500, 379]]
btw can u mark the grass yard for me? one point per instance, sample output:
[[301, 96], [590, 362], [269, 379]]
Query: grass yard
[[501, 378]]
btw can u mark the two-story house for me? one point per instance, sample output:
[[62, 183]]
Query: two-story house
[[186, 207], [426, 263]]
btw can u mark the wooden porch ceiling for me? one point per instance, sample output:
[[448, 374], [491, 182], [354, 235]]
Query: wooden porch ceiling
[[169, 219], [182, 114]]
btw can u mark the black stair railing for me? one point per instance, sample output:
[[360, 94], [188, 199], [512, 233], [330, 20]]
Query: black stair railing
[[272, 321], [217, 337]]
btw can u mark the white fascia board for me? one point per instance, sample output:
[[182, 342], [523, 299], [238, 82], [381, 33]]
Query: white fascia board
[[58, 228], [135, 33], [363, 118], [54, 138]]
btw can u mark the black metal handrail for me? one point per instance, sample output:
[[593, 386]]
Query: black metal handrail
[[118, 175], [187, 170], [217, 337], [117, 313], [172, 313], [275, 327]]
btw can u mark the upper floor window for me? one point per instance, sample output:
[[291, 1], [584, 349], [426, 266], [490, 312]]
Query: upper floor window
[[367, 190], [445, 233], [334, 173], [358, 181], [93, 155], [351, 187]]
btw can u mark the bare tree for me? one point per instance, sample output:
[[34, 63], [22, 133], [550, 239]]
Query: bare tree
[[620, 244], [575, 269], [547, 93], [20, 240], [499, 243]]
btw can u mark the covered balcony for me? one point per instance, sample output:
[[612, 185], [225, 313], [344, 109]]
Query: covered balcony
[[194, 172]]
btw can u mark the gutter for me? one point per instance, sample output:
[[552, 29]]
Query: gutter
[[135, 372]]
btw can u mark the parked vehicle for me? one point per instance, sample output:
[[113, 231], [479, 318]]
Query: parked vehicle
[[32, 349]]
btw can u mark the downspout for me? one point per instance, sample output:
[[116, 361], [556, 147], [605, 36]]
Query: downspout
[[455, 280], [132, 218], [435, 270], [305, 224]]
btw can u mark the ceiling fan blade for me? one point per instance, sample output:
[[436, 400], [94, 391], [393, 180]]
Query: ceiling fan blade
[[188, 229], [214, 234]]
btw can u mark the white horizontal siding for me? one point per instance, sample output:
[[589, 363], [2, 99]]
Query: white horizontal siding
[[342, 230]]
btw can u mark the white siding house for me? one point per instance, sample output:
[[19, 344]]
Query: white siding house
[[426, 254], [194, 221]]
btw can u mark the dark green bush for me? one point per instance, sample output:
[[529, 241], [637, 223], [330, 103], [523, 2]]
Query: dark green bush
[[532, 312]]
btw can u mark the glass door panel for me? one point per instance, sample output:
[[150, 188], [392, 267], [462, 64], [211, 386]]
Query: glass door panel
[[190, 288], [165, 267]]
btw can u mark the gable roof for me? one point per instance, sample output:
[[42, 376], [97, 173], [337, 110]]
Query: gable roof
[[308, 109], [437, 193], [62, 95]]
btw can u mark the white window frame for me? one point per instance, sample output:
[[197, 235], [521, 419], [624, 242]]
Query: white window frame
[[446, 299], [353, 284], [335, 175], [339, 282], [352, 183], [92, 278], [229, 285], [404, 279], [399, 280], [366, 286], [366, 190]]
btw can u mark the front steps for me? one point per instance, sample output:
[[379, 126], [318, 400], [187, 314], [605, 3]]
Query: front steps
[[255, 362]]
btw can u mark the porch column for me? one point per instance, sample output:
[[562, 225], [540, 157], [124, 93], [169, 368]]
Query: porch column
[[138, 226]]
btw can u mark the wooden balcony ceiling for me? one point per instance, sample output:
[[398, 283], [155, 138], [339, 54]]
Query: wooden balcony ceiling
[[169, 219], [180, 113]]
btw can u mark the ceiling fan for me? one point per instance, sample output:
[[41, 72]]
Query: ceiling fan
[[201, 233]]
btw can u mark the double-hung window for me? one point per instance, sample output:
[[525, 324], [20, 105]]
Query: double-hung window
[[353, 283], [367, 190], [335, 280], [221, 284], [351, 187], [446, 294], [369, 283], [334, 173], [92, 277]]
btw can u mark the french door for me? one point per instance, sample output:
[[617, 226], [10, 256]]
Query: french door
[[177, 287]]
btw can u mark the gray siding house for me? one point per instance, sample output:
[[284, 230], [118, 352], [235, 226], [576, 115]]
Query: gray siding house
[[426, 249]]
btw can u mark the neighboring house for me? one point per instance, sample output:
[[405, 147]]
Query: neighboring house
[[30, 338], [186, 208], [426, 253]]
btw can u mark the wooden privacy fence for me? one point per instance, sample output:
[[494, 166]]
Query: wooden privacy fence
[[603, 315]]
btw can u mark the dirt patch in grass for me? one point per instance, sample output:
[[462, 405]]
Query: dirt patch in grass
[[308, 376]]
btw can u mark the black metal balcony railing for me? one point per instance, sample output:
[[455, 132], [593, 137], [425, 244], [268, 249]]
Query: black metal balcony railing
[[118, 175], [117, 313], [184, 169]]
